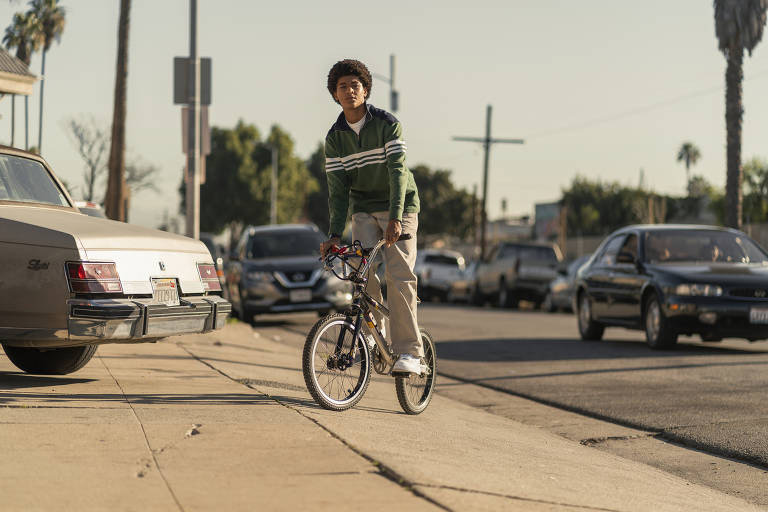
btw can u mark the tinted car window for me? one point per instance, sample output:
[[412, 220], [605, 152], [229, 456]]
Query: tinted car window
[[630, 245], [441, 259], [540, 254], [611, 250], [281, 244], [28, 181], [701, 245]]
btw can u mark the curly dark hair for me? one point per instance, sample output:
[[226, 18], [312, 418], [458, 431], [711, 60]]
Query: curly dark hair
[[349, 67]]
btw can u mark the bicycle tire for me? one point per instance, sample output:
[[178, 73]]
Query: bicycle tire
[[415, 391], [349, 383]]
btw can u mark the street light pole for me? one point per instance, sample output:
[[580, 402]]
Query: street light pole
[[193, 154], [486, 141], [393, 95]]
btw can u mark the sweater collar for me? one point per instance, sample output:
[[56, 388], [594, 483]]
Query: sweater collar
[[341, 121]]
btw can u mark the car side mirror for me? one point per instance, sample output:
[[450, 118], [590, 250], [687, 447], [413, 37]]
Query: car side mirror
[[625, 257]]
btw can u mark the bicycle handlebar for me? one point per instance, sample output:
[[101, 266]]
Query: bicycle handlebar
[[355, 250]]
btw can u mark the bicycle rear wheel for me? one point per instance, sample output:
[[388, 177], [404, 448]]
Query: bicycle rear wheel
[[336, 380], [415, 391]]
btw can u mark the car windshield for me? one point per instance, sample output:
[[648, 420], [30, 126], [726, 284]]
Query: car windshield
[[442, 259], [27, 181], [701, 246], [282, 244]]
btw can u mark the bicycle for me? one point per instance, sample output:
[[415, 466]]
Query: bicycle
[[337, 358]]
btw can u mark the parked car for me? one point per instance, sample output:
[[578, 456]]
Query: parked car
[[70, 281], [672, 280], [515, 271], [217, 253], [463, 288], [277, 269], [560, 293], [436, 269], [91, 208]]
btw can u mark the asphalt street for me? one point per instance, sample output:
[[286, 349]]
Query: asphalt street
[[709, 396]]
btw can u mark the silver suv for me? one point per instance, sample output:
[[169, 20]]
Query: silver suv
[[277, 269]]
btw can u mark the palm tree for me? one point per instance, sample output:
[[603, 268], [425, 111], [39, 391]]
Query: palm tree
[[689, 154], [52, 19], [738, 26], [117, 191], [24, 34]]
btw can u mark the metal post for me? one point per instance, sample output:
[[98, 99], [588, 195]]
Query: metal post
[[193, 126], [487, 147], [273, 193]]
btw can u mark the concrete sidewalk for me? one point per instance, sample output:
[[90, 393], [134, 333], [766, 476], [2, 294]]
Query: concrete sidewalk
[[224, 422]]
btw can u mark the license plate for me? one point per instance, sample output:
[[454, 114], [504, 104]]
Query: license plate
[[165, 291], [758, 315], [303, 295]]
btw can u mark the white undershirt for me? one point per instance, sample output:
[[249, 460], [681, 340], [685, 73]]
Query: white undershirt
[[358, 125]]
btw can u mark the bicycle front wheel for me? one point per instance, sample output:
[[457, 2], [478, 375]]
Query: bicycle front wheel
[[415, 391], [337, 369]]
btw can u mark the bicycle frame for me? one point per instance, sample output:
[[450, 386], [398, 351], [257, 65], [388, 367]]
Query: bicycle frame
[[362, 304]]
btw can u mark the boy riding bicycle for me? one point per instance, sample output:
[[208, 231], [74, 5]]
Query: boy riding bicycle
[[367, 175]]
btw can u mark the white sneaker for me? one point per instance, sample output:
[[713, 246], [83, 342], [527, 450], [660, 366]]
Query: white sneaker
[[371, 342], [408, 364]]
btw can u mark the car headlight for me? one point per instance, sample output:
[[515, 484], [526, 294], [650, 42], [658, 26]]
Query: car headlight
[[259, 277], [706, 290]]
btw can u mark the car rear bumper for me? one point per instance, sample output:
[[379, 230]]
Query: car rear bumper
[[714, 318], [126, 321]]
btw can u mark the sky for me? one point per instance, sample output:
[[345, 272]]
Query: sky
[[600, 88]]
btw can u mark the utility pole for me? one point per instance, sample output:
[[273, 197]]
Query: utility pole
[[193, 127], [393, 94], [273, 192], [487, 141]]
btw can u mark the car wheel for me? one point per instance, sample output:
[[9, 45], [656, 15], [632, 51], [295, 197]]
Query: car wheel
[[589, 329], [57, 361], [658, 334], [547, 305]]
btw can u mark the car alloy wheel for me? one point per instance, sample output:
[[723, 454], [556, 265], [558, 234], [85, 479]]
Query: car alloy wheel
[[589, 329], [653, 320]]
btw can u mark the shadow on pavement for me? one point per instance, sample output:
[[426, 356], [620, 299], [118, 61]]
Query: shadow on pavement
[[554, 349], [18, 380]]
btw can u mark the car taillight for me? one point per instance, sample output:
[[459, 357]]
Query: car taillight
[[85, 277], [209, 277]]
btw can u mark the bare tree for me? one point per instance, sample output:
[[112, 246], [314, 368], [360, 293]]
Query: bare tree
[[91, 140], [140, 176]]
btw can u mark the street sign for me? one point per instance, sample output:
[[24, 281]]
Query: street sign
[[182, 93]]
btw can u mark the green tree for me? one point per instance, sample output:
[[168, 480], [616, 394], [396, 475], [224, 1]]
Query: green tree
[[236, 191], [24, 34], [52, 17], [689, 154], [444, 209], [317, 201], [738, 26], [756, 190]]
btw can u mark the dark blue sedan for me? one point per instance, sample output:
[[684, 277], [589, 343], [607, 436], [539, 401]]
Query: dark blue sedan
[[670, 280]]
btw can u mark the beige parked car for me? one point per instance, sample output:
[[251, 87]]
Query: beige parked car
[[69, 281]]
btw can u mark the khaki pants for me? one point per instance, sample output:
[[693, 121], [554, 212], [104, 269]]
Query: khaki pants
[[403, 328]]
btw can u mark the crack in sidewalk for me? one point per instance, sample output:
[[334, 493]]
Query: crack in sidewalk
[[515, 498], [382, 469], [592, 441], [147, 465]]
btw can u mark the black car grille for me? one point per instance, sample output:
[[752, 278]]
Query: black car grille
[[750, 293], [298, 276]]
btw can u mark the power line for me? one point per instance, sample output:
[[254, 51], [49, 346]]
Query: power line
[[638, 110]]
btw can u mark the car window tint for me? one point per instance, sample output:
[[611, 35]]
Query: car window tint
[[441, 259], [611, 250], [630, 245], [281, 244], [672, 246], [27, 181], [539, 254]]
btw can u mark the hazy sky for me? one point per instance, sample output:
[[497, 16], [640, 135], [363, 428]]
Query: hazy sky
[[603, 88]]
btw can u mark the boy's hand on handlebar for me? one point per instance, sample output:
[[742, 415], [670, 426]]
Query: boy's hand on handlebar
[[394, 230], [326, 246]]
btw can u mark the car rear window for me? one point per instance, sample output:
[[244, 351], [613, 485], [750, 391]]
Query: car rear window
[[27, 181], [441, 259], [283, 244], [542, 254]]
